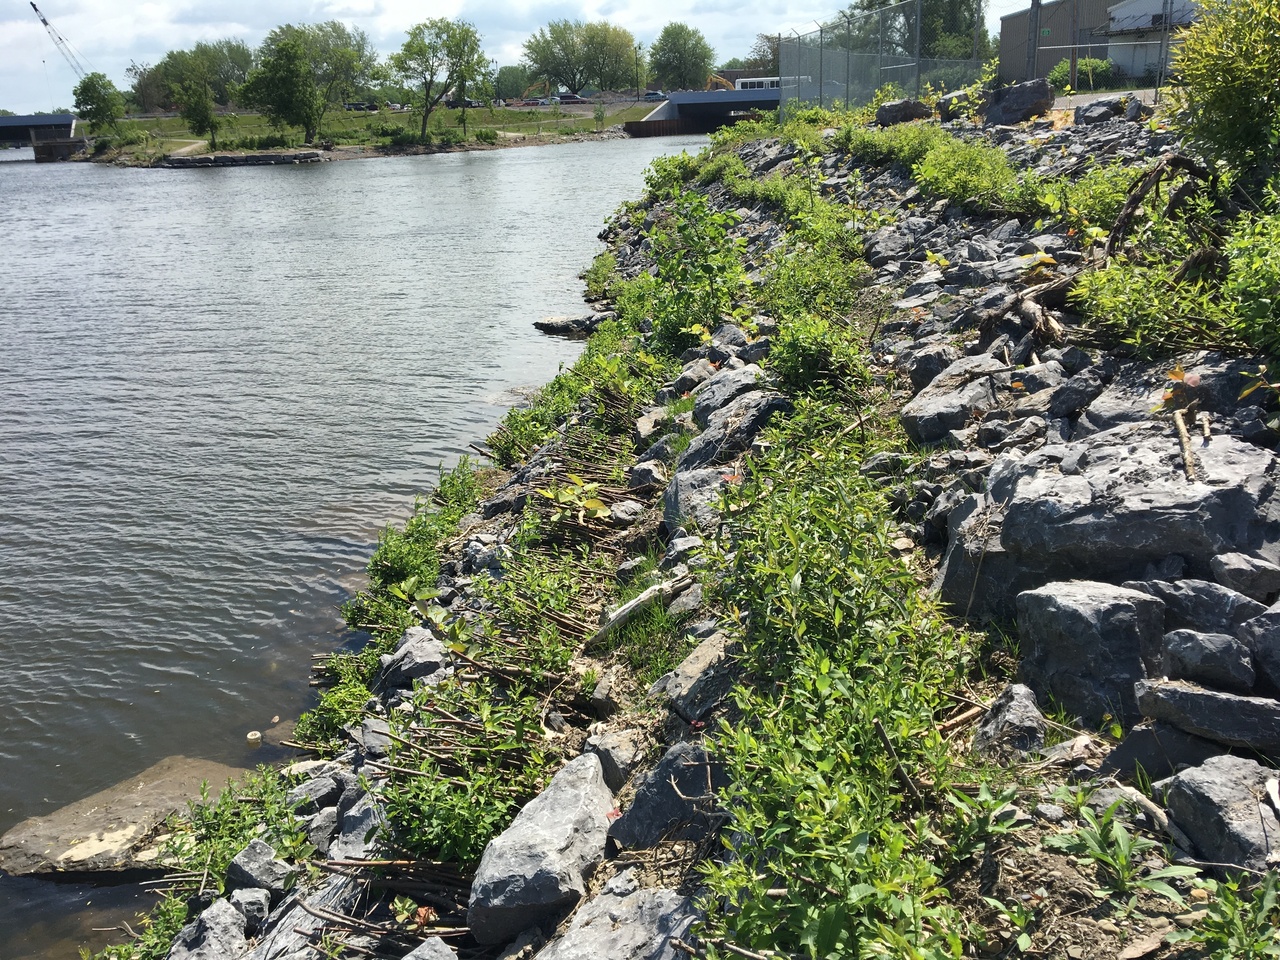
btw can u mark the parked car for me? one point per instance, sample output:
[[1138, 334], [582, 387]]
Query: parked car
[[572, 98], [530, 103], [655, 95]]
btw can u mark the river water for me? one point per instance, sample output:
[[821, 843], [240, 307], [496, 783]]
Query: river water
[[215, 387]]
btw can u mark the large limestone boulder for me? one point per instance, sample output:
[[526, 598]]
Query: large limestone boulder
[[626, 922], [1108, 508], [1084, 644], [1019, 102], [217, 934], [1218, 806], [538, 867]]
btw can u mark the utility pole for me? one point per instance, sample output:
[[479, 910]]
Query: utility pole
[[1033, 39]]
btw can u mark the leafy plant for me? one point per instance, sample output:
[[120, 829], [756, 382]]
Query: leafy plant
[[1228, 90], [1091, 74], [1242, 921], [575, 498], [1118, 854]]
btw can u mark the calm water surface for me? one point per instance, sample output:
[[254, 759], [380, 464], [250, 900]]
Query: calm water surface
[[215, 387]]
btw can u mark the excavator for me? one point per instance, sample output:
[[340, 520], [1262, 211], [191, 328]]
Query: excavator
[[717, 82]]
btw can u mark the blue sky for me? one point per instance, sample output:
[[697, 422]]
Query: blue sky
[[108, 34]]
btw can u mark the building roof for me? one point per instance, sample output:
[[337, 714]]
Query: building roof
[[38, 120]]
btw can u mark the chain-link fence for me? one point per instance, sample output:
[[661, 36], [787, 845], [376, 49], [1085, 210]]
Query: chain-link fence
[[940, 43]]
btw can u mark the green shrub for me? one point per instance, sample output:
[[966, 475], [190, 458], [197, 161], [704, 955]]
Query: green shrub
[[1252, 287], [1228, 93], [666, 174], [969, 173], [410, 138], [1091, 74], [385, 128], [487, 135], [905, 143], [600, 274]]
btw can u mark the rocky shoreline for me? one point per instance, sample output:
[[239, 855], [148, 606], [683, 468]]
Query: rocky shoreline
[[1121, 517]]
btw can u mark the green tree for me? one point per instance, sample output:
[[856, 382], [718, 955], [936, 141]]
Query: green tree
[[733, 63], [284, 89], [197, 107], [146, 87], [98, 102], [470, 71], [763, 56], [304, 69], [681, 58], [440, 55], [511, 82], [556, 54], [949, 29], [609, 53]]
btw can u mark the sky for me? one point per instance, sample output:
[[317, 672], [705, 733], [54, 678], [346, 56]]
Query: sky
[[109, 34]]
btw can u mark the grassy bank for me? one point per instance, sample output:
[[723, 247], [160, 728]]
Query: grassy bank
[[152, 137]]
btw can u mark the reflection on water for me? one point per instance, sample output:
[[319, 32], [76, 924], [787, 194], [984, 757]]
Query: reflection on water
[[216, 386]]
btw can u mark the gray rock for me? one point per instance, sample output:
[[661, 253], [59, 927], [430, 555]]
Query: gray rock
[[605, 698], [217, 934], [321, 827], [1042, 376], [1019, 102], [1261, 635], [619, 752], [952, 106], [1220, 806], [1075, 394], [722, 388], [1100, 111], [902, 111], [1014, 724], [649, 425], [433, 948], [1049, 812], [964, 389], [256, 866], [537, 868], [626, 923], [679, 550], [1210, 659], [289, 930], [624, 513], [691, 497], [732, 428], [694, 373], [255, 905], [1257, 579], [1084, 644], [687, 601], [647, 473], [925, 362], [673, 801], [358, 831], [374, 736], [418, 655], [702, 680], [1155, 751], [1126, 506], [308, 797], [1200, 605], [1249, 722], [757, 350]]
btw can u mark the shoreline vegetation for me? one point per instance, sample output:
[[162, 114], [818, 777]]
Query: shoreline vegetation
[[685, 623], [145, 142]]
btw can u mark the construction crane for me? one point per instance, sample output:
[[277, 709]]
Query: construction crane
[[61, 44]]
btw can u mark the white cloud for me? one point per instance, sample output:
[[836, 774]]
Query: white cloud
[[108, 34]]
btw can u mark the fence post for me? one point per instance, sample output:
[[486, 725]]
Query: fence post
[[919, 17], [848, 50], [822, 44], [1033, 39]]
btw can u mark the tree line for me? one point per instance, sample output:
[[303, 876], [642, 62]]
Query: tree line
[[299, 72]]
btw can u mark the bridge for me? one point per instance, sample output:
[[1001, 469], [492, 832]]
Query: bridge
[[702, 112], [52, 135]]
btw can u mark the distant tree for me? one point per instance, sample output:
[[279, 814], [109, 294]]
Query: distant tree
[[197, 107], [733, 63], [609, 54], [470, 71], [557, 54], [98, 102], [763, 57], [283, 87], [511, 82], [440, 55], [304, 69], [226, 63], [681, 58], [146, 87], [948, 28], [7, 113]]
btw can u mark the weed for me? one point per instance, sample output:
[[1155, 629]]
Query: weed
[[600, 274], [1118, 853], [1241, 922]]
